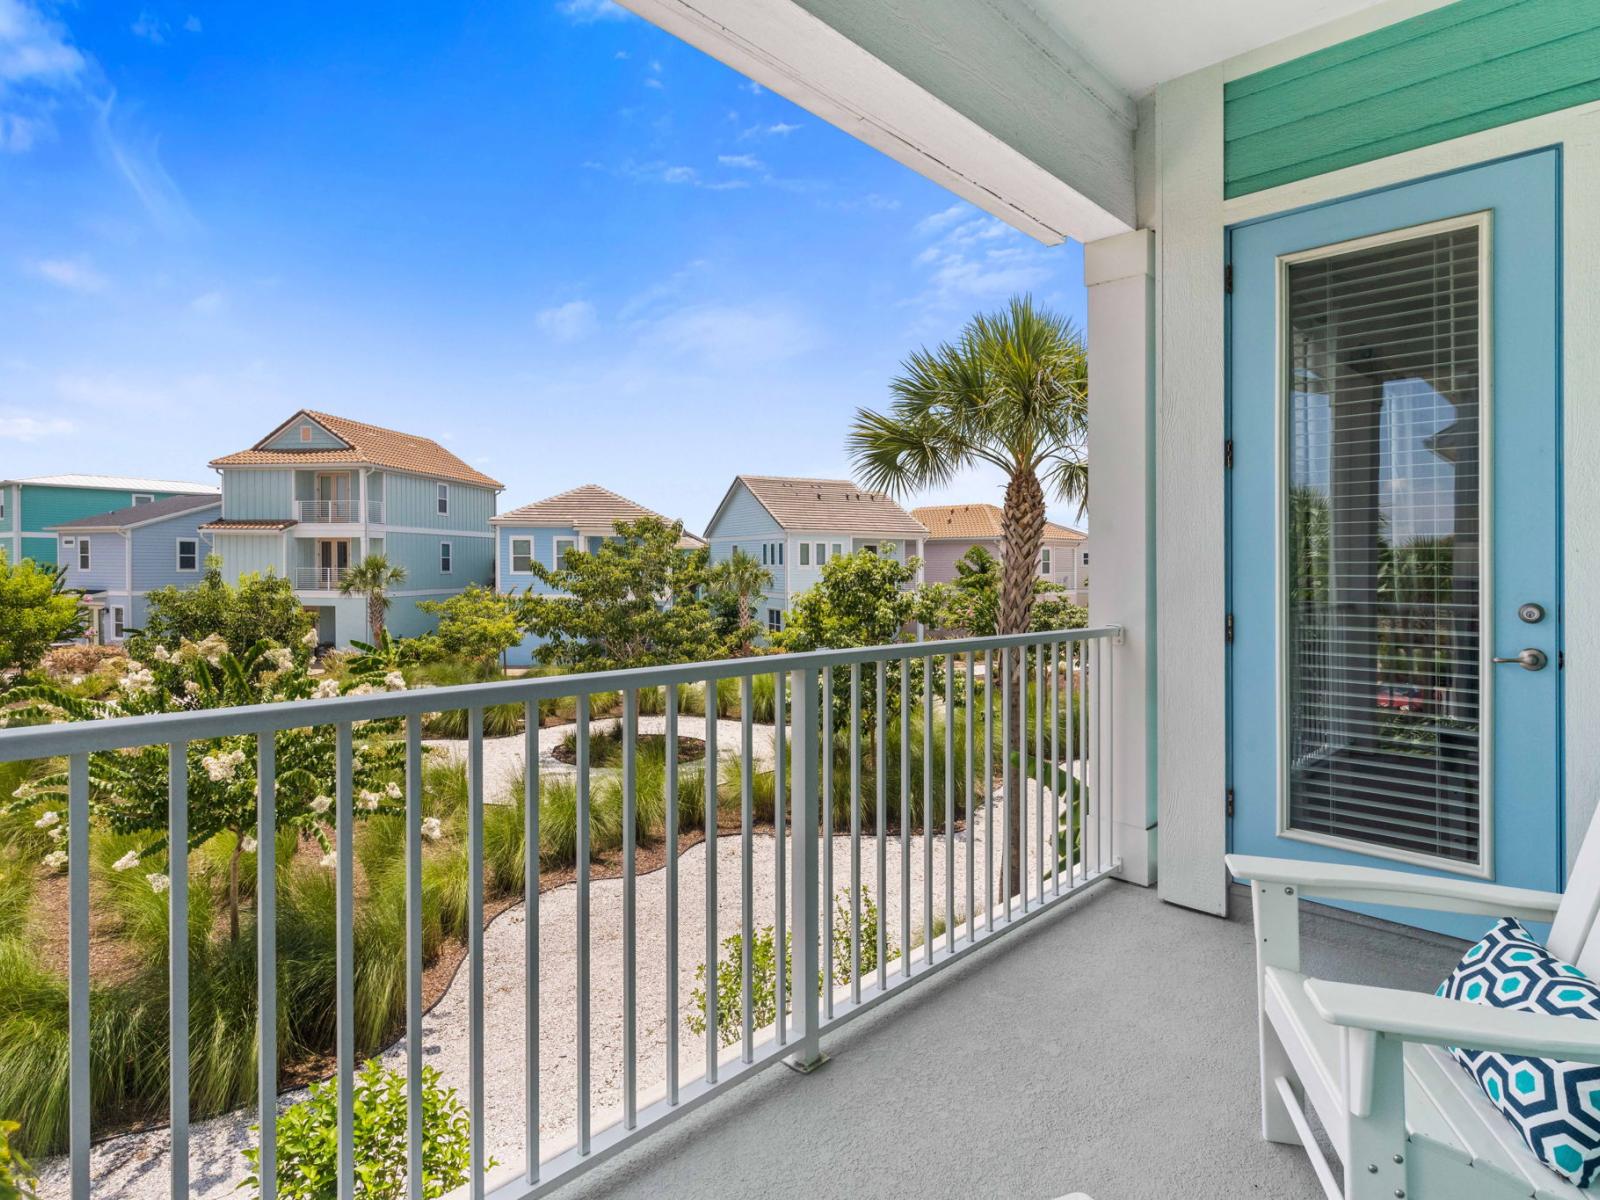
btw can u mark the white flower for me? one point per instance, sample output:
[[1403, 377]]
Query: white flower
[[395, 681], [157, 881], [431, 828], [369, 800], [392, 790], [321, 804], [310, 640], [56, 859], [127, 862], [191, 686], [161, 654], [137, 681], [362, 689], [281, 657], [326, 689], [222, 767], [247, 844], [329, 860], [77, 679], [49, 819], [24, 791], [58, 832]]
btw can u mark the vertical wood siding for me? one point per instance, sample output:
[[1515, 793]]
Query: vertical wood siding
[[1469, 66], [254, 495]]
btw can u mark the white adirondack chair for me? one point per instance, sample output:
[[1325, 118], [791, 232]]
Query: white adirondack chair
[[1403, 1117]]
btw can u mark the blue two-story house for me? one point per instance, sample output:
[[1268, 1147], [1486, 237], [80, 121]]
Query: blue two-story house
[[795, 526], [31, 509], [117, 558], [319, 493], [543, 532]]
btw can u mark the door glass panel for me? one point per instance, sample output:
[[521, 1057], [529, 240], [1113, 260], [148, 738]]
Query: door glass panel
[[1384, 538]]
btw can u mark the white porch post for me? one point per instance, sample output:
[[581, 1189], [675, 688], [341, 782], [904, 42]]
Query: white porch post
[[1120, 274]]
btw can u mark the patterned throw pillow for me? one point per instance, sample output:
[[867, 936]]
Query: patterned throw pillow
[[1554, 1105]]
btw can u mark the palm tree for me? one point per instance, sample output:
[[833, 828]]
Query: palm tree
[[1011, 392], [372, 577], [741, 578]]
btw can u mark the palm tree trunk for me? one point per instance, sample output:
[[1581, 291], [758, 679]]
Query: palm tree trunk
[[375, 616], [1021, 534]]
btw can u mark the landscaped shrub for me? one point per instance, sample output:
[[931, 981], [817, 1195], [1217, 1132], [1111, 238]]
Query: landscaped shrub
[[308, 1143], [64, 662], [17, 1179]]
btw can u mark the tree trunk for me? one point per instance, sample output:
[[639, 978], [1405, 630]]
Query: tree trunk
[[375, 616], [1021, 534]]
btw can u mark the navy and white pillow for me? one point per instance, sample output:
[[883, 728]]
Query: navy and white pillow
[[1554, 1105]]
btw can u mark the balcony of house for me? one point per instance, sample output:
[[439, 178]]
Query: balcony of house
[[337, 498], [320, 564]]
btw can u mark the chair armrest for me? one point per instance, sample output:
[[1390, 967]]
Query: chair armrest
[[1418, 1017], [1333, 881]]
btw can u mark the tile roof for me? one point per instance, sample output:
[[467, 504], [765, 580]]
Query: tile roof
[[369, 445], [142, 514], [247, 526], [588, 507], [119, 483], [979, 521], [830, 504]]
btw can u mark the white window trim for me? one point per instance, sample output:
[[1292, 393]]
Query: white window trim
[[555, 550], [1044, 561], [805, 554], [177, 554], [527, 569], [83, 554], [138, 498], [441, 500], [447, 558], [119, 628]]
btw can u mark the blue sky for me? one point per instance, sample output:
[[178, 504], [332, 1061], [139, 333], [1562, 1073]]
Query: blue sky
[[548, 234]]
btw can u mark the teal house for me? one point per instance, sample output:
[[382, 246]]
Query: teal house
[[31, 508], [320, 492]]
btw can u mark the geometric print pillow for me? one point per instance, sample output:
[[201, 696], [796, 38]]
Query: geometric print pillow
[[1554, 1105]]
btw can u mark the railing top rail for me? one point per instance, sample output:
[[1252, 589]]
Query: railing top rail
[[48, 741]]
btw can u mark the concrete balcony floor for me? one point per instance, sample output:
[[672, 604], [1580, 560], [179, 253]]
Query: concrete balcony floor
[[1109, 1048]]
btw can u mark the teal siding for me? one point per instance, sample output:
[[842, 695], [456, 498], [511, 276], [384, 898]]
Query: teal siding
[[744, 520], [41, 550], [249, 554], [320, 438], [1469, 66], [411, 500], [44, 506], [472, 560], [253, 495]]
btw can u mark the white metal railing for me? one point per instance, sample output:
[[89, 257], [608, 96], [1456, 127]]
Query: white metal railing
[[319, 579], [1071, 738], [328, 512], [375, 512]]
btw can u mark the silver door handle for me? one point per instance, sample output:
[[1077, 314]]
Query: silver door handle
[[1529, 659]]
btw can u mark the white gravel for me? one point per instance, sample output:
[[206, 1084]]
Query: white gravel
[[136, 1165]]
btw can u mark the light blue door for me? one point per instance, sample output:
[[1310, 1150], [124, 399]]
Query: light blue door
[[1395, 526]]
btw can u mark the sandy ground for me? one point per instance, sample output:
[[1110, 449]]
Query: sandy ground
[[136, 1165]]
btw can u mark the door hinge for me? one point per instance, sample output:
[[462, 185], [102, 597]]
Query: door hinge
[[1230, 802], [1227, 454], [1227, 279], [1228, 629]]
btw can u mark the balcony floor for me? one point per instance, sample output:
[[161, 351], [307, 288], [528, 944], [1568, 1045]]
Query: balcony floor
[[1109, 1048]]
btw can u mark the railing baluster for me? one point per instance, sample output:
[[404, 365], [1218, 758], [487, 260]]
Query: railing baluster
[[414, 1129], [530, 937], [906, 694], [855, 833], [988, 789], [1039, 767], [746, 869], [1055, 765], [712, 1013], [78, 1096], [1022, 776], [1084, 833], [825, 744], [671, 788], [267, 964], [881, 702], [949, 802], [804, 882], [630, 914], [780, 788], [967, 722], [1006, 778], [1108, 718], [1103, 809], [475, 994], [178, 962], [927, 808], [584, 819], [345, 970]]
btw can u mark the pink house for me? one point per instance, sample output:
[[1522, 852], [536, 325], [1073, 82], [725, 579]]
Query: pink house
[[953, 529]]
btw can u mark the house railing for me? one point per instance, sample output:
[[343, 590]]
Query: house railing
[[319, 579], [1047, 747], [374, 512], [328, 512]]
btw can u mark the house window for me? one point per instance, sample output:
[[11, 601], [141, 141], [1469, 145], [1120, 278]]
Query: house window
[[444, 558], [805, 554], [774, 620], [563, 547], [822, 553], [871, 547], [116, 622], [139, 498], [443, 498], [1086, 558], [188, 554], [780, 554], [1044, 561], [521, 555], [766, 549], [837, 549], [305, 433], [83, 554]]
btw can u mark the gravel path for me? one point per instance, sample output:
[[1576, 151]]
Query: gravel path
[[136, 1165]]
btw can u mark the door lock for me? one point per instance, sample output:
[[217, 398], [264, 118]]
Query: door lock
[[1531, 613], [1531, 659]]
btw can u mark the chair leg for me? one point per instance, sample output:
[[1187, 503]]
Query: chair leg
[[1276, 1124], [1376, 1166]]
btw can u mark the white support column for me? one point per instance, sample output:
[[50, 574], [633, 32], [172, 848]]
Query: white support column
[[1120, 274]]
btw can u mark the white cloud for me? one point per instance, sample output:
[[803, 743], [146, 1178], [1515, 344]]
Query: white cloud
[[567, 322], [748, 162], [680, 175], [653, 82], [621, 54], [21, 427], [136, 157], [586, 12], [751, 86], [974, 259], [728, 337], [149, 27], [939, 221], [76, 274], [38, 65], [192, 23], [781, 129], [208, 303]]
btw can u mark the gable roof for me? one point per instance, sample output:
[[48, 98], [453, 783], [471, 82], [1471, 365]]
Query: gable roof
[[368, 445], [117, 483], [587, 507], [142, 514], [980, 521], [835, 505]]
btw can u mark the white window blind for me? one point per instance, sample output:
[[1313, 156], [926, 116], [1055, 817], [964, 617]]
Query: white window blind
[[1384, 537]]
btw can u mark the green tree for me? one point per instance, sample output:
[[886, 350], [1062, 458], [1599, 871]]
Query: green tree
[[1011, 393], [35, 610], [737, 581], [258, 608], [373, 577], [637, 600], [478, 624]]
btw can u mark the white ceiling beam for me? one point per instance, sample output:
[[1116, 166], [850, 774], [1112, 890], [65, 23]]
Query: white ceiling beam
[[981, 98]]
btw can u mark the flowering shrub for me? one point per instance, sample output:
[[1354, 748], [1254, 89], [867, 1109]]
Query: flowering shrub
[[128, 788]]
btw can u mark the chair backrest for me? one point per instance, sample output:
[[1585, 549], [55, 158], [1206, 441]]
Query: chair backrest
[[1573, 935]]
